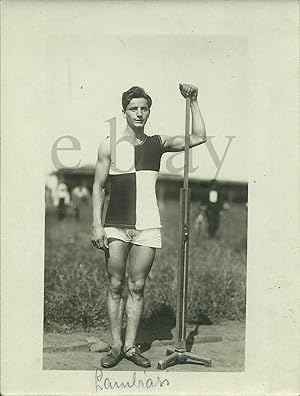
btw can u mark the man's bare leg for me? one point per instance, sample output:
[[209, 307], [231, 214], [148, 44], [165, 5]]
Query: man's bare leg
[[116, 265], [140, 263]]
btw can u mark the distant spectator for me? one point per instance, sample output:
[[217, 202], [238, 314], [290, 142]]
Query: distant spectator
[[200, 220], [213, 209], [48, 197], [226, 206], [63, 199], [79, 195]]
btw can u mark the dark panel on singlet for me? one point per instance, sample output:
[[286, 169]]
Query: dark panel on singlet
[[148, 154], [121, 210]]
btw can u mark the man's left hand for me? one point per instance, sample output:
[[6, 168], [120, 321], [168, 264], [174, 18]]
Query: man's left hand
[[188, 90]]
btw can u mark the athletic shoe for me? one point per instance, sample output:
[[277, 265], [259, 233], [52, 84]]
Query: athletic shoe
[[113, 357], [134, 355]]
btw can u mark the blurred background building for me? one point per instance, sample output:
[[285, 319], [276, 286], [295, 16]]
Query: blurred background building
[[168, 185]]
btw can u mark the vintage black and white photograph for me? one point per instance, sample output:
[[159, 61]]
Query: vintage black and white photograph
[[150, 222], [146, 203]]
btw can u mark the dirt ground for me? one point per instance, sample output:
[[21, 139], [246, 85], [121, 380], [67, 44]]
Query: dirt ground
[[224, 344]]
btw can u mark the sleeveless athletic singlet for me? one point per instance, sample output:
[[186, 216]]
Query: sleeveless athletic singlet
[[132, 181]]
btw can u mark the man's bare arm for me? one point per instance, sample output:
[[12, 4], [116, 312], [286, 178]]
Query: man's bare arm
[[198, 134], [99, 239]]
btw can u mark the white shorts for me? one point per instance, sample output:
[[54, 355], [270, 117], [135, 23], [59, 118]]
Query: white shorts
[[150, 237]]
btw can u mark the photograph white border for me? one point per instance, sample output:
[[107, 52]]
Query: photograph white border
[[272, 334]]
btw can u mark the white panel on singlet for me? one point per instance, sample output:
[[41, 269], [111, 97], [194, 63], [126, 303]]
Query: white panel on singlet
[[147, 213], [122, 158]]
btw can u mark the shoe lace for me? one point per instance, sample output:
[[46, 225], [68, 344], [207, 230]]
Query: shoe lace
[[133, 350], [109, 353]]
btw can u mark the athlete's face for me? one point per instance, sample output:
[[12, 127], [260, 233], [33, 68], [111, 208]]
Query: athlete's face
[[137, 113]]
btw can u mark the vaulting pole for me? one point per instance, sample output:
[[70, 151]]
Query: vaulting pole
[[182, 269], [180, 354]]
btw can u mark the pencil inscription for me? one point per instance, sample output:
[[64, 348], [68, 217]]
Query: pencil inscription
[[135, 380]]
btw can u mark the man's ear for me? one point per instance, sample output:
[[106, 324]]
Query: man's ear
[[123, 113]]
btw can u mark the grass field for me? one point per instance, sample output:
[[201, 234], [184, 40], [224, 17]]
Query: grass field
[[76, 282]]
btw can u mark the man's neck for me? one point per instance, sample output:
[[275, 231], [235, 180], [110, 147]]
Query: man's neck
[[137, 135]]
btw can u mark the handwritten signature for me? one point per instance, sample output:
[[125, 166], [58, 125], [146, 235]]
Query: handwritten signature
[[137, 380]]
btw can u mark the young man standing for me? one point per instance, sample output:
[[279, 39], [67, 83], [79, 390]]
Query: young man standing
[[132, 225]]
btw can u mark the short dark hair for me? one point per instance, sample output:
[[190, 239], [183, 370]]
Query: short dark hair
[[135, 92]]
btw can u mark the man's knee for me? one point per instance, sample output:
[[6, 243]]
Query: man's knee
[[116, 287], [136, 287]]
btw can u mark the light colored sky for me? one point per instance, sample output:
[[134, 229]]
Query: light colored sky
[[86, 75]]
